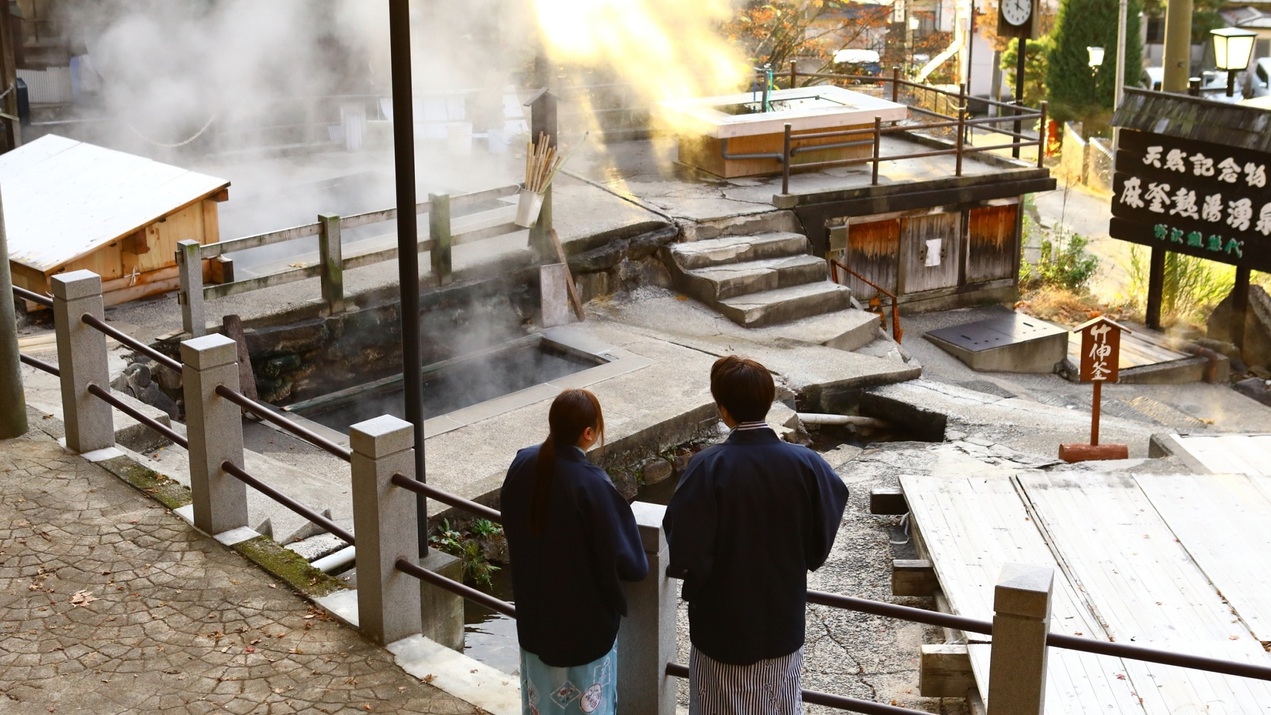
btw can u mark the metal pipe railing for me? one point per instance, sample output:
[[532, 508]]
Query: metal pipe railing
[[896, 332], [40, 365], [472, 594], [266, 412], [25, 294], [1163, 657], [447, 498], [904, 613], [295, 506], [110, 399], [126, 339]]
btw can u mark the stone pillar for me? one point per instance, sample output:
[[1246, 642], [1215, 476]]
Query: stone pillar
[[646, 638], [1017, 669], [384, 524], [214, 427], [441, 611], [81, 358], [190, 268]]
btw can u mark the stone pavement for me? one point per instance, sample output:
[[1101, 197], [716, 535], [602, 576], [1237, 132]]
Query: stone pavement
[[110, 603]]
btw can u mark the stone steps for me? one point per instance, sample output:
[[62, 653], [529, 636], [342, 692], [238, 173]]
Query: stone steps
[[720, 282], [785, 304], [768, 279]]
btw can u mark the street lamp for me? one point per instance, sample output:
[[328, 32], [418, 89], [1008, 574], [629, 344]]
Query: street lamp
[[1096, 58], [1232, 48]]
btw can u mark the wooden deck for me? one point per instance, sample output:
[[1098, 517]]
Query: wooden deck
[[1174, 562]]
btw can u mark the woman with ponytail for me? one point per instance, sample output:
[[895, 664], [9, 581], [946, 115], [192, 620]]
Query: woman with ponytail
[[571, 538]]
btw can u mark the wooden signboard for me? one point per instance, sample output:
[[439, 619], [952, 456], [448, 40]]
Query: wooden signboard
[[1100, 355], [1199, 198], [1100, 350]]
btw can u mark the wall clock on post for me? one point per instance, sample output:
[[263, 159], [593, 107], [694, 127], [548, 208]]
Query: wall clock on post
[[1017, 14]]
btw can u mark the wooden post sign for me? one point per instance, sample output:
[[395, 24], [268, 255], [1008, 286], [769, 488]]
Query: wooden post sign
[[1100, 355]]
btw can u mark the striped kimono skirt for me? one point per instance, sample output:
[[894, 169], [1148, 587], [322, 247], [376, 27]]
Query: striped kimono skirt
[[769, 687], [591, 688]]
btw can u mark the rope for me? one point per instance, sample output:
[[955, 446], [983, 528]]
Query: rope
[[145, 138]]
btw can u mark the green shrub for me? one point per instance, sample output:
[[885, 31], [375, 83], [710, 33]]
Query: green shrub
[[1064, 263], [477, 568], [1192, 286]]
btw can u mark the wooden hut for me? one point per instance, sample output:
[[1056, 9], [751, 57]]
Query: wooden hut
[[70, 205]]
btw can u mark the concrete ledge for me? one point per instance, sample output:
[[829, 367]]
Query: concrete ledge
[[492, 690]]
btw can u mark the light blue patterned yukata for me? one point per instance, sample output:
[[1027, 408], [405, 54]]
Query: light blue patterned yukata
[[591, 688]]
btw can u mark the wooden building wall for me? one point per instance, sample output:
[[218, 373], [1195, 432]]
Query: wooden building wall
[[977, 244], [140, 264]]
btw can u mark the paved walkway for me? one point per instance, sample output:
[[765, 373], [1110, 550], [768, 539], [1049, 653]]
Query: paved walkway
[[109, 603]]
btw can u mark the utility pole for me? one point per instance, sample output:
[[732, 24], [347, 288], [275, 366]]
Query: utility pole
[[10, 137], [13, 421], [1177, 66], [1178, 46]]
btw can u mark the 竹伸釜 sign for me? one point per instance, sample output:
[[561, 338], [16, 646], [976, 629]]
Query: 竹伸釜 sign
[[1100, 350]]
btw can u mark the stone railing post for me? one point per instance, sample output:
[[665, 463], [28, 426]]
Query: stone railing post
[[214, 427], [384, 521], [190, 270], [331, 256], [81, 358], [1017, 666], [646, 638]]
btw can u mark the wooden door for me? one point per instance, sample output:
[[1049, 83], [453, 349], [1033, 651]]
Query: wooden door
[[992, 246], [931, 249], [872, 249]]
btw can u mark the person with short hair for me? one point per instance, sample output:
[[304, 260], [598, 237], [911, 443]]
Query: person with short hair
[[571, 539], [749, 519]]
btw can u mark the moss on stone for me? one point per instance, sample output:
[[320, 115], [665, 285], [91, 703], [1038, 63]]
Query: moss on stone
[[288, 566], [155, 485]]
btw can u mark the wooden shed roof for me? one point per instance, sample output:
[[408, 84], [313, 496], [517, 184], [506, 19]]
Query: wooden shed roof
[[1184, 117], [63, 199]]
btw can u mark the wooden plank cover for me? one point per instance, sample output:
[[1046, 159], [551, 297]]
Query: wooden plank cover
[[1144, 588], [971, 528], [1224, 523], [1230, 453]]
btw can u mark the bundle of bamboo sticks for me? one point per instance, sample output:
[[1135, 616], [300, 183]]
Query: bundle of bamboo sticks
[[542, 162]]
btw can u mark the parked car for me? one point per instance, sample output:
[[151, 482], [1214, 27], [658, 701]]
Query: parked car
[[858, 62]]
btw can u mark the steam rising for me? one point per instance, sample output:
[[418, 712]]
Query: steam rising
[[667, 49]]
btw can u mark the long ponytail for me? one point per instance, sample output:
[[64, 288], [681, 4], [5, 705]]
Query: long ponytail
[[572, 412]]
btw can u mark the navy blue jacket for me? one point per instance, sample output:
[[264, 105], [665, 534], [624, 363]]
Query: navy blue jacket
[[749, 519], [565, 580]]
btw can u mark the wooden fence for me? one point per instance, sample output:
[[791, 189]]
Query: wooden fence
[[444, 232]]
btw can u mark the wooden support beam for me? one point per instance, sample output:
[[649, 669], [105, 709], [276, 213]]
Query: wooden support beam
[[913, 577], [944, 671], [888, 501]]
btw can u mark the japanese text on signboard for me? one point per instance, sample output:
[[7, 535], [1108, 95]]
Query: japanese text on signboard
[[1199, 198], [1100, 352]]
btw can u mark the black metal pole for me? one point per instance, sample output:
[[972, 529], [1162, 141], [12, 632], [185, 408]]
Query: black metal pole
[[1021, 44], [1239, 307], [1155, 287], [970, 48], [407, 237]]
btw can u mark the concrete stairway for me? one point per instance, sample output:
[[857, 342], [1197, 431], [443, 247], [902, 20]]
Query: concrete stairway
[[766, 279]]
